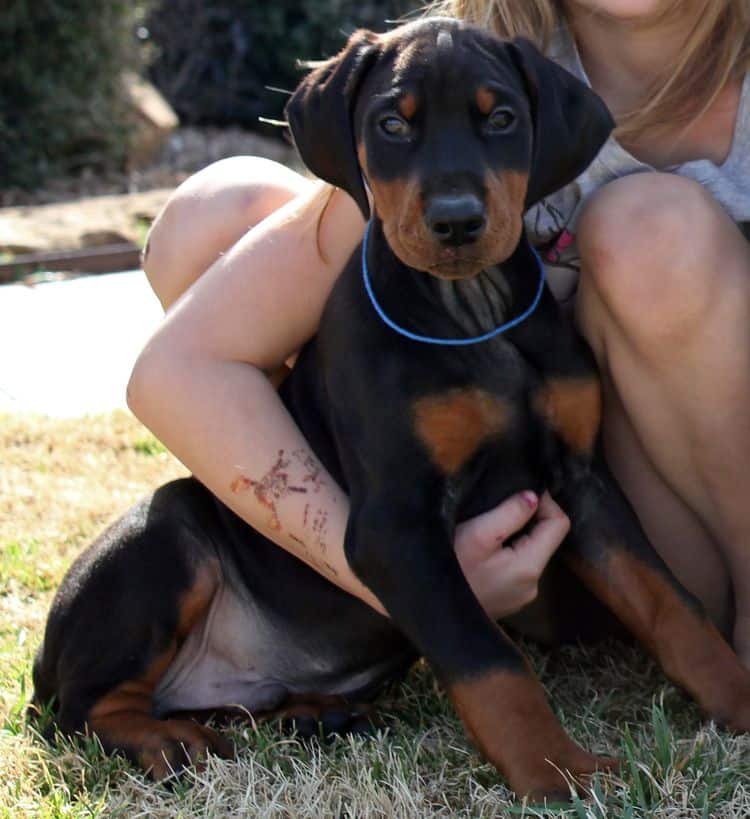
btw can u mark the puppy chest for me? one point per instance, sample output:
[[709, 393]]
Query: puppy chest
[[453, 425]]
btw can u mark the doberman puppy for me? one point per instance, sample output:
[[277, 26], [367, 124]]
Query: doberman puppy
[[180, 606]]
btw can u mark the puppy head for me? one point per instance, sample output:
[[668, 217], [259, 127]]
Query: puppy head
[[456, 133]]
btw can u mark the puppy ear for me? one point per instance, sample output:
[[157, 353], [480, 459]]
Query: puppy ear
[[571, 123], [320, 115]]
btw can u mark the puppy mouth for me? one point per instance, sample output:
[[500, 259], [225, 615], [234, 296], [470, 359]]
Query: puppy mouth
[[453, 266], [446, 262]]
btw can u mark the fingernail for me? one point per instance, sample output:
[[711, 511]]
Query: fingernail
[[530, 499]]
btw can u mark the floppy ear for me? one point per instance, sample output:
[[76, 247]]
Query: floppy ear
[[320, 115], [571, 123]]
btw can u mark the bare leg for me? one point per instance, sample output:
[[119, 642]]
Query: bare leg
[[665, 304], [208, 213], [694, 556]]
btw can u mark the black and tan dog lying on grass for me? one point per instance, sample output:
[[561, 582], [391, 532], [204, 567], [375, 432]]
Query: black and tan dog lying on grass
[[180, 606]]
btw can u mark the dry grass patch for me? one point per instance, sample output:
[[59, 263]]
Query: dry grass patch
[[61, 482]]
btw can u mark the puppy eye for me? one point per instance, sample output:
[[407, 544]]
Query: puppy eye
[[500, 119], [395, 126]]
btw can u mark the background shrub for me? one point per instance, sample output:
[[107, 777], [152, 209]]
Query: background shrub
[[215, 58], [61, 106]]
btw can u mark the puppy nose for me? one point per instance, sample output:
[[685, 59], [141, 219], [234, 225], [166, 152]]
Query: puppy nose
[[456, 219]]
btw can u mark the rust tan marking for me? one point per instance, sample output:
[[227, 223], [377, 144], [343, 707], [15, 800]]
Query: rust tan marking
[[195, 602], [688, 646], [136, 694], [407, 106], [159, 746], [412, 241], [506, 197], [399, 204], [123, 717], [485, 101], [507, 716], [452, 425], [573, 408], [132, 696]]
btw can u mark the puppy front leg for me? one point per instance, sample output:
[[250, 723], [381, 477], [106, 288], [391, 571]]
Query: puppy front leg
[[405, 555]]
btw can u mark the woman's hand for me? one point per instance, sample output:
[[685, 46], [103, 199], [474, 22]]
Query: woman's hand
[[506, 578]]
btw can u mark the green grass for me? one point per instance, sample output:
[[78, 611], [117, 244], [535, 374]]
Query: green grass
[[142, 227], [149, 446], [20, 569], [611, 697]]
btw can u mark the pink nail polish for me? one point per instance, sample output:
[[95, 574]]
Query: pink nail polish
[[531, 499]]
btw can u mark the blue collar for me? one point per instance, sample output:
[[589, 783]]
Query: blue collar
[[446, 341]]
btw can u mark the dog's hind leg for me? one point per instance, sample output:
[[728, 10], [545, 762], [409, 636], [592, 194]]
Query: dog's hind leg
[[614, 559], [116, 625]]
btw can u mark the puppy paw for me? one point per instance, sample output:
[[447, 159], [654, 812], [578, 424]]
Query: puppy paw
[[314, 720], [557, 779], [175, 744]]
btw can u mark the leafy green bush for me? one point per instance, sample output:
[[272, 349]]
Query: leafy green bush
[[61, 105], [216, 58]]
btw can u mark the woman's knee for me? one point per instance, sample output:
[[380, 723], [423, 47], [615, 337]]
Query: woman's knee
[[208, 213], [650, 247]]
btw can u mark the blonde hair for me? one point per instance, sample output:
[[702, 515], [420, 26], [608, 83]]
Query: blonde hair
[[535, 19], [717, 50]]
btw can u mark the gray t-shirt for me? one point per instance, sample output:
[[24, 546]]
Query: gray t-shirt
[[551, 224]]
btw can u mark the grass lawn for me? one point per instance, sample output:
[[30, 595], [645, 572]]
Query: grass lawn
[[61, 481]]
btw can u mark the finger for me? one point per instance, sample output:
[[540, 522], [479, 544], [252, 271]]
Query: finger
[[548, 508], [490, 529], [552, 525]]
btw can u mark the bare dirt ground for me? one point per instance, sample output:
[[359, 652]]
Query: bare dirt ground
[[94, 209]]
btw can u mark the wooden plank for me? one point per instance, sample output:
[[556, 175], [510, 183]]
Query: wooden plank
[[102, 259]]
